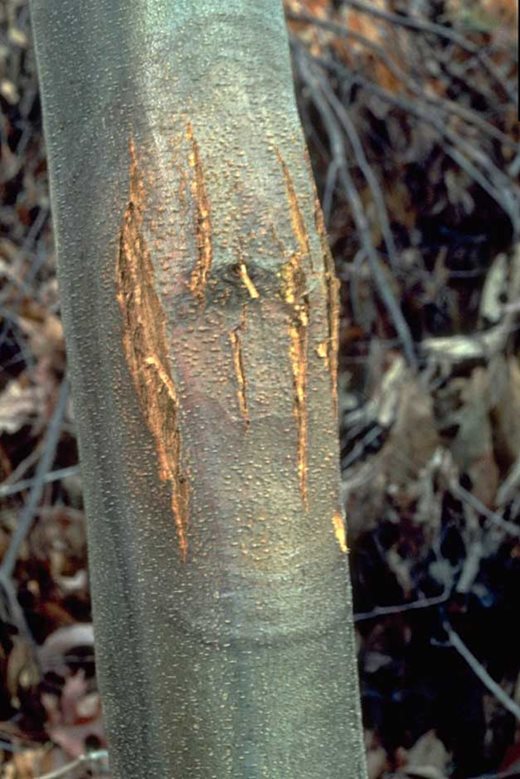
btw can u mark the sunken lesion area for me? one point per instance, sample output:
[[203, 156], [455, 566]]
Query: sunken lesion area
[[144, 343], [145, 325]]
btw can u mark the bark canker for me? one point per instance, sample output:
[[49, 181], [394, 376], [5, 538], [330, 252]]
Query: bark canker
[[145, 331]]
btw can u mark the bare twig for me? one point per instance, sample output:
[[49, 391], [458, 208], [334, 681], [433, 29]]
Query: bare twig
[[479, 670], [511, 772], [319, 94], [25, 484], [481, 508], [97, 756], [418, 25], [22, 468], [328, 192], [383, 611], [49, 450], [370, 177], [496, 183], [14, 613]]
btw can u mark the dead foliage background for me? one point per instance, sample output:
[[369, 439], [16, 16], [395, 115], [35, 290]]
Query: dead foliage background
[[410, 113]]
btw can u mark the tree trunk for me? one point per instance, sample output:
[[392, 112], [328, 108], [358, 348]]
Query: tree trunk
[[199, 303]]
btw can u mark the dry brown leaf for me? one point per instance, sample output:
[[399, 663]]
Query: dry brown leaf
[[464, 407], [377, 32], [363, 491], [413, 439], [72, 738], [75, 716], [495, 286], [28, 764], [20, 405], [52, 653], [496, 18], [377, 761], [506, 410], [428, 758], [321, 9], [45, 335], [22, 671], [315, 38]]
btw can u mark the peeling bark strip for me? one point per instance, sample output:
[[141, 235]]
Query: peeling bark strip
[[200, 273], [246, 281], [298, 357], [238, 365], [297, 222], [294, 286], [293, 279], [339, 531], [144, 342], [332, 285]]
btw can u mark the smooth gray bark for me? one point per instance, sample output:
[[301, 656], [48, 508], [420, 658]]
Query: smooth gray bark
[[198, 303]]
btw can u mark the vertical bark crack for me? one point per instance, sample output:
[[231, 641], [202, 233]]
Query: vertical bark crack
[[145, 349], [297, 221], [298, 358], [238, 365], [330, 349], [201, 271], [294, 293]]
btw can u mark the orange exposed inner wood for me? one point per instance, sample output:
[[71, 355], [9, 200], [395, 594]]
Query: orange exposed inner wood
[[246, 281], [238, 365], [298, 358], [297, 222], [294, 293], [200, 273], [145, 348], [293, 279], [339, 531]]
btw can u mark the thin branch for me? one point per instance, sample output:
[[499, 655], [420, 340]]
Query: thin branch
[[14, 614], [481, 508], [25, 484], [88, 759], [14, 611], [328, 192], [46, 460], [479, 671], [510, 772], [418, 25], [370, 177], [383, 611], [498, 186], [414, 84], [379, 51], [338, 152]]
